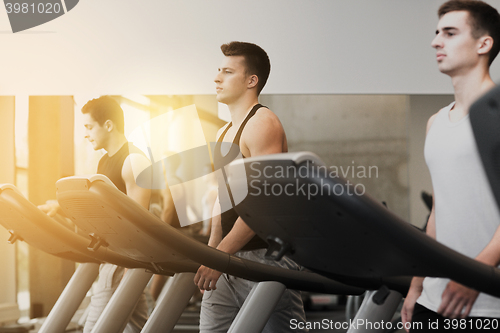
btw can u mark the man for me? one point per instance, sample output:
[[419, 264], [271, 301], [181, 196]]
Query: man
[[104, 124], [464, 214], [257, 131]]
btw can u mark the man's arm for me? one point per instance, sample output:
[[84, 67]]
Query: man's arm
[[457, 300], [134, 191], [216, 229], [209, 202], [141, 195], [205, 276], [416, 286], [263, 135], [490, 255], [168, 210]]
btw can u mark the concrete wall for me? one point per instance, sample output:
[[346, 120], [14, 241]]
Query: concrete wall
[[386, 131], [353, 132]]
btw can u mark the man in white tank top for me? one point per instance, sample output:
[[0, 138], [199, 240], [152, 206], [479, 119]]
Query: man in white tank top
[[464, 216]]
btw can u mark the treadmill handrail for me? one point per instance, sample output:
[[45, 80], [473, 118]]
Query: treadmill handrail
[[4, 187], [197, 251], [33, 216], [296, 157], [379, 220]]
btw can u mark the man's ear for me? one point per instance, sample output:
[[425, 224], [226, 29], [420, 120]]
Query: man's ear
[[108, 125], [486, 43], [252, 81]]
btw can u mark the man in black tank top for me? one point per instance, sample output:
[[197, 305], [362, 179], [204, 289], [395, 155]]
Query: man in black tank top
[[256, 130], [104, 124]]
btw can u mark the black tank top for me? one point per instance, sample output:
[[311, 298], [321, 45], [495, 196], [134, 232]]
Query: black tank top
[[111, 166], [229, 217]]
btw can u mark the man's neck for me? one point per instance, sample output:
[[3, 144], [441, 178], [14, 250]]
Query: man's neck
[[469, 87], [240, 108], [115, 143]]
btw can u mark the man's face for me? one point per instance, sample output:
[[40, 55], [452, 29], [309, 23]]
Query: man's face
[[95, 133], [231, 79], [456, 49]]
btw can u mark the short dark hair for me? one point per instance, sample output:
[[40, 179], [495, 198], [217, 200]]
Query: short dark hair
[[256, 60], [483, 19], [105, 108]]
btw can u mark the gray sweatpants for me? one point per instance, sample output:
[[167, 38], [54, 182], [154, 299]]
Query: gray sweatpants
[[219, 307], [109, 279]]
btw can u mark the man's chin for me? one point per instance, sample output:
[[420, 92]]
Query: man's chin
[[443, 69], [221, 98]]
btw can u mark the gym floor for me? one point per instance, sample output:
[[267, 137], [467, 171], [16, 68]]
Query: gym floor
[[188, 323]]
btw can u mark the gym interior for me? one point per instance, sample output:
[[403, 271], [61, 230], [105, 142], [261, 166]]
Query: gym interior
[[352, 82]]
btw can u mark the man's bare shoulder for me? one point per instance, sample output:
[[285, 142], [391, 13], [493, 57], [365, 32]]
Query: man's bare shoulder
[[264, 120], [219, 132], [263, 134]]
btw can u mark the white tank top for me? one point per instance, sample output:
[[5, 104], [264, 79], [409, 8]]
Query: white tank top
[[467, 215]]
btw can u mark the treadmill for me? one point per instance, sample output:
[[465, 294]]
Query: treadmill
[[323, 224], [26, 222], [117, 222]]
